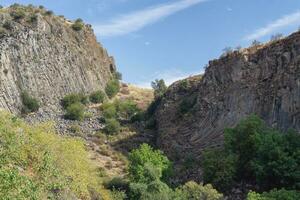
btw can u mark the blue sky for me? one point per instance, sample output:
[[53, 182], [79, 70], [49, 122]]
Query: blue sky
[[172, 39]]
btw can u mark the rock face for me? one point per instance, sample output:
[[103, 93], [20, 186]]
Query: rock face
[[41, 53], [264, 80]]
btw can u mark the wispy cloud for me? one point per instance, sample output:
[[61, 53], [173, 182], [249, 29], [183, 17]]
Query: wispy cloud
[[169, 76], [139, 19], [285, 21]]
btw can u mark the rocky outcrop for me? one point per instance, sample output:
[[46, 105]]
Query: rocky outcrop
[[264, 80], [42, 54]]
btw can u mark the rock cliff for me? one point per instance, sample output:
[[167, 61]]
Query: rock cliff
[[42, 54], [264, 80]]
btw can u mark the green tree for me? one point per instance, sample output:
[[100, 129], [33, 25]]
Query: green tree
[[146, 154], [241, 142], [193, 191], [219, 169], [159, 87], [275, 194]]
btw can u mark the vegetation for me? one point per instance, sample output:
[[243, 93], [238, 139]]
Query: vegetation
[[75, 111], [97, 97], [139, 158], [112, 88], [78, 25], [275, 195], [159, 88], [255, 153], [187, 104], [112, 126], [30, 104], [74, 98], [36, 163], [18, 13]]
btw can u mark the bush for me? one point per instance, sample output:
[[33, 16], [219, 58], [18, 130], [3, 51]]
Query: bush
[[187, 104], [118, 75], [30, 104], [8, 25], [97, 97], [74, 98], [159, 88], [219, 169], [194, 191], [117, 183], [146, 154], [112, 88], [18, 14], [33, 18], [2, 32], [35, 162], [109, 110], [126, 109], [112, 126], [281, 194], [49, 12], [78, 25], [277, 160], [75, 111], [241, 142]]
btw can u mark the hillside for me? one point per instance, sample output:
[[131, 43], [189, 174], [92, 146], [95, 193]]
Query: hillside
[[46, 56], [262, 80]]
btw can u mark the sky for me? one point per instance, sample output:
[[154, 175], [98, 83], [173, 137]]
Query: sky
[[173, 39]]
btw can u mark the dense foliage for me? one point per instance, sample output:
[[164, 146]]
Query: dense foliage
[[97, 97], [116, 111], [146, 155], [112, 88], [36, 163], [255, 153], [74, 98], [275, 195], [147, 170], [75, 111], [159, 88], [78, 25], [30, 104]]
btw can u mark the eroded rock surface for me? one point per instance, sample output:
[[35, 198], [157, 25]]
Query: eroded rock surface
[[263, 80], [47, 58]]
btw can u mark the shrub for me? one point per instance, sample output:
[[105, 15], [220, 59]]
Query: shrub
[[8, 25], [109, 110], [78, 25], [46, 162], [112, 88], [126, 109], [97, 97], [112, 126], [75, 111], [193, 191], [277, 160], [146, 154], [118, 75], [187, 104], [33, 18], [219, 169], [2, 32], [281, 194], [74, 98], [240, 141], [30, 104], [17, 14], [117, 183], [159, 88], [49, 12]]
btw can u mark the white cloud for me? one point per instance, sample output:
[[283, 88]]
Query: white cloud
[[169, 76], [147, 43], [285, 21], [139, 19]]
